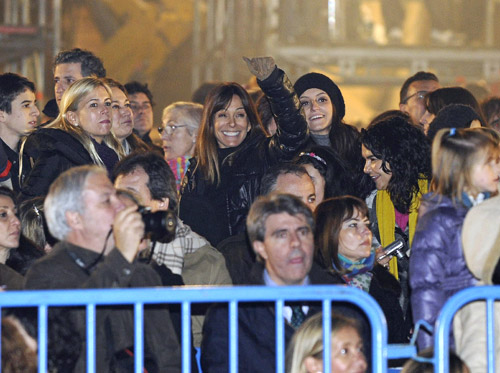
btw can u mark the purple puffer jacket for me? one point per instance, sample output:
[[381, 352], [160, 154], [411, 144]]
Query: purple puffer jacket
[[437, 263]]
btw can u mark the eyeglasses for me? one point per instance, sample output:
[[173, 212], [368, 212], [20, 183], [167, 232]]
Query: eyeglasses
[[420, 95], [169, 130]]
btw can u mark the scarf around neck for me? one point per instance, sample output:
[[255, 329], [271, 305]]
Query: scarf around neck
[[386, 217], [358, 273]]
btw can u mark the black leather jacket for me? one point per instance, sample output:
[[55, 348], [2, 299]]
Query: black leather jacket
[[243, 169]]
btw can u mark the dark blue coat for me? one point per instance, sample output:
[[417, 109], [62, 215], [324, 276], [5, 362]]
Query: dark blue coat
[[437, 264], [256, 330]]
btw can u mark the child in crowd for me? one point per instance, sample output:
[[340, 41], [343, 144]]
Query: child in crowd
[[465, 170], [305, 353]]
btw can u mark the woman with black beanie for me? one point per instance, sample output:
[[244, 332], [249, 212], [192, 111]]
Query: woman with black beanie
[[324, 109]]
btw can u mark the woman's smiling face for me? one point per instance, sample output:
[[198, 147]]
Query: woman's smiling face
[[318, 109], [231, 124], [373, 167]]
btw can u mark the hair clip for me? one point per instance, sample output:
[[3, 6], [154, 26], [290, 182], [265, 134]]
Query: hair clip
[[452, 131], [37, 212], [312, 155]]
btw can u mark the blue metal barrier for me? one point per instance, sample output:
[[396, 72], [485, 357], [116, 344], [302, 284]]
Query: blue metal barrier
[[444, 322], [187, 295]]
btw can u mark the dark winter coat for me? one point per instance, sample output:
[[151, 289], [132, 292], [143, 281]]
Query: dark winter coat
[[386, 290], [53, 151], [114, 327], [437, 264], [256, 329], [242, 170]]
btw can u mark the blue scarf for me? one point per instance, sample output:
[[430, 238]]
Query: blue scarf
[[358, 273]]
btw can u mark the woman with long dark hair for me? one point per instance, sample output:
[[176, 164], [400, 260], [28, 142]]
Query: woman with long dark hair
[[324, 109], [397, 158], [232, 152]]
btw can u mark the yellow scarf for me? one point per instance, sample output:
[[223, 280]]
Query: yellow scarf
[[386, 218]]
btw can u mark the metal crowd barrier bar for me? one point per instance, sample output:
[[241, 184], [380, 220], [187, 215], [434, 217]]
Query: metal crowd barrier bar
[[444, 322], [90, 298]]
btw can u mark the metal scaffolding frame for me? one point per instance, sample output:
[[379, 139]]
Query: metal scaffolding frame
[[219, 43], [29, 29]]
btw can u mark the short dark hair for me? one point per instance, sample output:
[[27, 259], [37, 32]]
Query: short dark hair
[[161, 182], [329, 216], [91, 65], [11, 86], [274, 203], [421, 75], [491, 108], [137, 87], [438, 99], [270, 178]]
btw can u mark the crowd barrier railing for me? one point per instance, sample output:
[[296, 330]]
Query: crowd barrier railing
[[138, 297], [444, 323]]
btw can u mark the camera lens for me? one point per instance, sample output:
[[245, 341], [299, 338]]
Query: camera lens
[[159, 225]]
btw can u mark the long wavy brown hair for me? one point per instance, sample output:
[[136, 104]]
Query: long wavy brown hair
[[206, 145]]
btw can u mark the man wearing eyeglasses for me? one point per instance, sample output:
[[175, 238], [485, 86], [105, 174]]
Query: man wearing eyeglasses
[[413, 92]]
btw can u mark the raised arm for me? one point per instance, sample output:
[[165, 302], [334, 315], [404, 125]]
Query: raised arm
[[292, 131]]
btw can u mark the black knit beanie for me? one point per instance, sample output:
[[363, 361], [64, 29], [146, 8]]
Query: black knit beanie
[[454, 115], [320, 81]]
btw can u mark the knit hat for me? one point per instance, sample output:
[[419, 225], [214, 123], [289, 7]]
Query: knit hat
[[320, 81], [454, 115]]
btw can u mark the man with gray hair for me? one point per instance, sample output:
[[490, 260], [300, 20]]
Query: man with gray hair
[[280, 228], [99, 241]]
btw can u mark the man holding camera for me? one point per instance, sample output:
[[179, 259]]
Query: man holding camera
[[150, 180], [99, 242]]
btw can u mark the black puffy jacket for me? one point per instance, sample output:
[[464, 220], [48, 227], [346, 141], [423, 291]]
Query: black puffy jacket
[[56, 151], [242, 170]]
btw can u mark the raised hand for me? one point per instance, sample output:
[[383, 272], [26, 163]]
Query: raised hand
[[261, 67]]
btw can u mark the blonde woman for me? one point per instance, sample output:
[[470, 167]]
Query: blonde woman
[[122, 118], [305, 352], [80, 135]]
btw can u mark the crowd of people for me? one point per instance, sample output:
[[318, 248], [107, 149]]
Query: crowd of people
[[267, 188]]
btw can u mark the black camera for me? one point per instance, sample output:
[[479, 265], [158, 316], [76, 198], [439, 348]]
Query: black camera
[[160, 225], [394, 248]]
